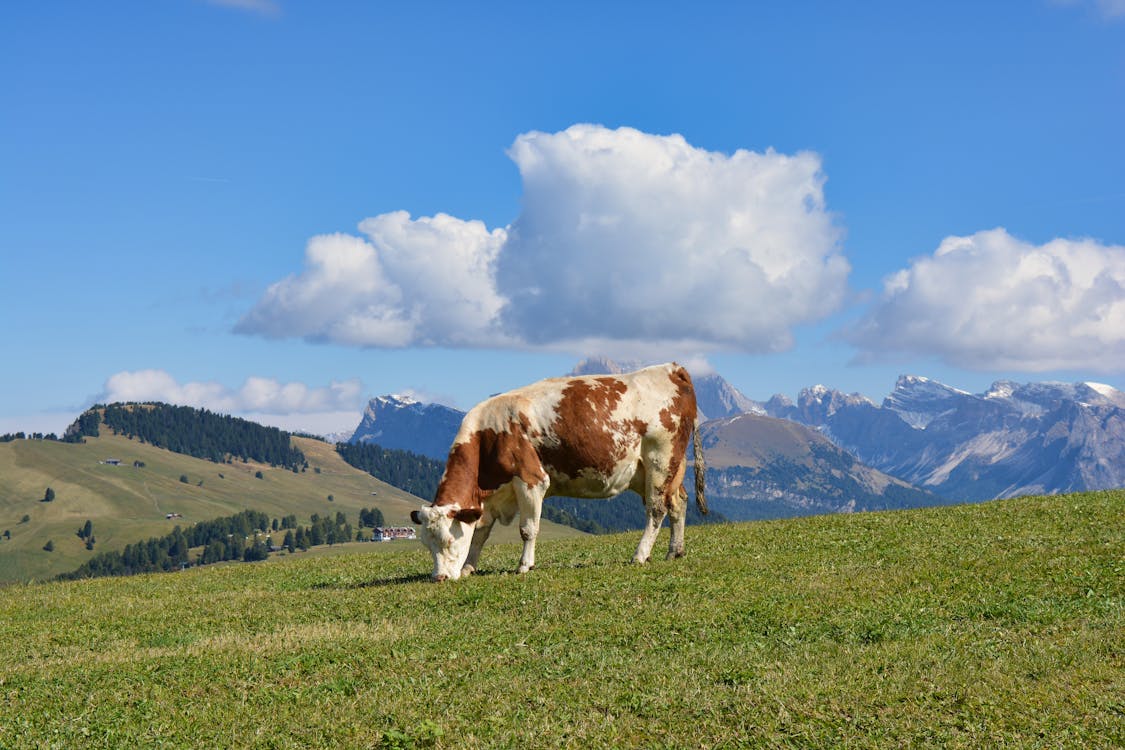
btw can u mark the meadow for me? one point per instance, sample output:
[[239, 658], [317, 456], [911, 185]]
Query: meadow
[[992, 625], [129, 504]]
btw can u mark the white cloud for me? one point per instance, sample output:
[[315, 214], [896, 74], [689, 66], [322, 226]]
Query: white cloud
[[412, 282], [990, 301], [627, 243], [256, 395], [626, 237]]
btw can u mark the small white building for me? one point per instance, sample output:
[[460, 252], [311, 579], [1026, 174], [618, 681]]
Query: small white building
[[390, 533]]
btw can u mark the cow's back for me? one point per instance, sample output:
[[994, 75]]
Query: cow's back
[[585, 432]]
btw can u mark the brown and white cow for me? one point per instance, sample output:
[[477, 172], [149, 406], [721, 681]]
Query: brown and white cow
[[589, 437]]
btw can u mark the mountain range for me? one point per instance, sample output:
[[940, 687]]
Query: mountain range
[[927, 442], [759, 466], [1013, 439]]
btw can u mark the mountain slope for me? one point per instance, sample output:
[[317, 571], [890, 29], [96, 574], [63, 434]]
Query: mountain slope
[[762, 467], [128, 504]]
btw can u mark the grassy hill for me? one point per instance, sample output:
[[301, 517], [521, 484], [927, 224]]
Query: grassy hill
[[991, 625], [129, 504]]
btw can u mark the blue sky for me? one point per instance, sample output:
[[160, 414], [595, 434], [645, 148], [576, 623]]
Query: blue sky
[[287, 207]]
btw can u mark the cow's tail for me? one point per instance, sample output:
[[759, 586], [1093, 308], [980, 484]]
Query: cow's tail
[[700, 471]]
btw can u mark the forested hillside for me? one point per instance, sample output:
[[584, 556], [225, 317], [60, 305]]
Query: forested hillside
[[194, 432], [414, 473], [245, 536]]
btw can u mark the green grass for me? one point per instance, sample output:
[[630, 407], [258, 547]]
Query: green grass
[[993, 625], [128, 504]]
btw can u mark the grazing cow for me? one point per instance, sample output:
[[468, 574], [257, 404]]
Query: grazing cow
[[591, 437]]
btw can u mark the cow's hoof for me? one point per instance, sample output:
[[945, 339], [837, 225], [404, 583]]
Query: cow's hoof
[[525, 568], [674, 555], [468, 570], [639, 561]]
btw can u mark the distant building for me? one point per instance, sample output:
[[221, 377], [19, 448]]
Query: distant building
[[170, 516], [390, 533], [112, 461]]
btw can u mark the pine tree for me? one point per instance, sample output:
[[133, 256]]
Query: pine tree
[[49, 495]]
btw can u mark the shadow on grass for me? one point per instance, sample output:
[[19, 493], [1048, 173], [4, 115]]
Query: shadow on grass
[[374, 583], [486, 573]]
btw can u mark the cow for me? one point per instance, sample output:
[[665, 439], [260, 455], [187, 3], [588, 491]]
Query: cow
[[585, 436]]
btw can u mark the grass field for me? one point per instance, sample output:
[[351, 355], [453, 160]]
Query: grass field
[[128, 504], [992, 625]]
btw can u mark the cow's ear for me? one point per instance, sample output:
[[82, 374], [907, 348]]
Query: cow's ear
[[468, 515]]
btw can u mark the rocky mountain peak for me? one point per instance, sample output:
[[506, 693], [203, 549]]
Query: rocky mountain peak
[[718, 398], [392, 401], [918, 400], [402, 422], [816, 403], [779, 405], [604, 366]]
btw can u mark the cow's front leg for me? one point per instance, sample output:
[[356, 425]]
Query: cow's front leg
[[480, 536], [530, 501]]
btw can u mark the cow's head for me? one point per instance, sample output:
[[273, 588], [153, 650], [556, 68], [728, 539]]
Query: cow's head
[[447, 530]]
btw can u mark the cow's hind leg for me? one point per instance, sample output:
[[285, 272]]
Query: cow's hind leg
[[530, 501], [648, 538], [677, 513], [652, 529], [655, 510]]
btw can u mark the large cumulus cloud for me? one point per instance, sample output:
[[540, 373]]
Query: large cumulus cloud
[[629, 236], [625, 241], [990, 301]]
